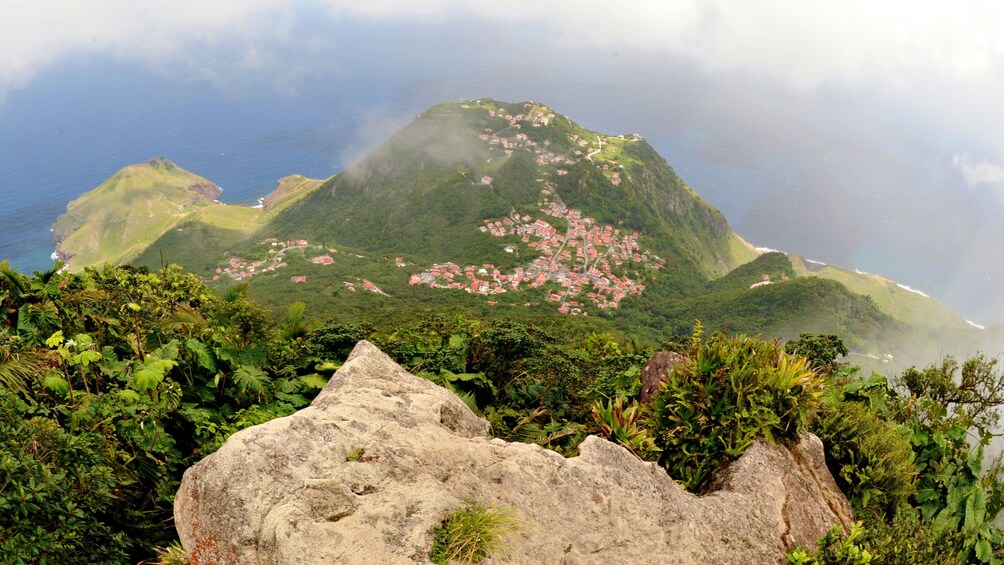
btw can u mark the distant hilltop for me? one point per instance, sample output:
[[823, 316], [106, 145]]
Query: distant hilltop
[[117, 220]]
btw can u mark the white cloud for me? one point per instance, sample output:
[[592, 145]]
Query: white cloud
[[41, 32], [808, 43], [978, 173]]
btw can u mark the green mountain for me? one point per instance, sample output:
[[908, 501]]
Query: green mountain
[[496, 208], [123, 216]]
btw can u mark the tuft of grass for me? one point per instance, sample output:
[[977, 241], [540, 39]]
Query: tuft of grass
[[356, 454], [472, 533]]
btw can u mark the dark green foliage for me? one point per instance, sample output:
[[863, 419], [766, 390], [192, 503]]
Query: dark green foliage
[[775, 265], [728, 393], [624, 426], [835, 548], [905, 540], [336, 341], [822, 351], [948, 512], [953, 492], [786, 310], [60, 491], [129, 376], [196, 245], [871, 458], [530, 385], [971, 394]]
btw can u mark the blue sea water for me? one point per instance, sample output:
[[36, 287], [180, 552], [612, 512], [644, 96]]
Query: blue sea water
[[77, 126]]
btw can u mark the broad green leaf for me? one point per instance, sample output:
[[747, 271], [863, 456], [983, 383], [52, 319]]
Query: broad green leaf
[[85, 358], [974, 463], [56, 383], [314, 381], [146, 378], [54, 340], [975, 510], [983, 550], [128, 395], [467, 377], [167, 351], [201, 353], [250, 378], [152, 371]]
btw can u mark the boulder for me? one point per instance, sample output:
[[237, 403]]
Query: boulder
[[366, 472], [655, 372]]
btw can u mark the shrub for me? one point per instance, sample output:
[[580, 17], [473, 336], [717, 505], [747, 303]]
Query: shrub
[[472, 533], [727, 393], [905, 540], [837, 549], [871, 458], [59, 493]]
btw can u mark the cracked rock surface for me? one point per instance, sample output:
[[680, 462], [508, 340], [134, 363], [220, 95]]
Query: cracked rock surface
[[366, 472]]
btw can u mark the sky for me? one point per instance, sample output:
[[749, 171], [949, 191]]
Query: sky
[[864, 134]]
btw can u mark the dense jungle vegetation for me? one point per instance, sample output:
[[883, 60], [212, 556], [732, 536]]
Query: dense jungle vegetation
[[113, 381]]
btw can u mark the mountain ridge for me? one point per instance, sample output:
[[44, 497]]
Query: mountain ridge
[[496, 205]]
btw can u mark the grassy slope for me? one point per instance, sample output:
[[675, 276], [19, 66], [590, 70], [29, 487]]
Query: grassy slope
[[120, 218], [200, 241], [289, 191], [903, 305]]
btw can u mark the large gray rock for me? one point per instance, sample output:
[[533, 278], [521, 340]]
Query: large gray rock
[[285, 493]]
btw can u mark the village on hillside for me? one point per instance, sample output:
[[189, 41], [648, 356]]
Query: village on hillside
[[239, 269], [579, 262], [587, 262]]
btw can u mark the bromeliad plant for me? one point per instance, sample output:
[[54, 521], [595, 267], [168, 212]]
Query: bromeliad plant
[[728, 393], [625, 426]]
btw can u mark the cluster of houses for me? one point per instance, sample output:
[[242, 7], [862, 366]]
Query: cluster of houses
[[367, 285], [585, 262], [239, 269], [765, 280], [533, 114], [537, 116]]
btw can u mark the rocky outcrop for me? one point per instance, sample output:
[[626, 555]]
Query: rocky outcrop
[[202, 191], [655, 372], [366, 472]]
